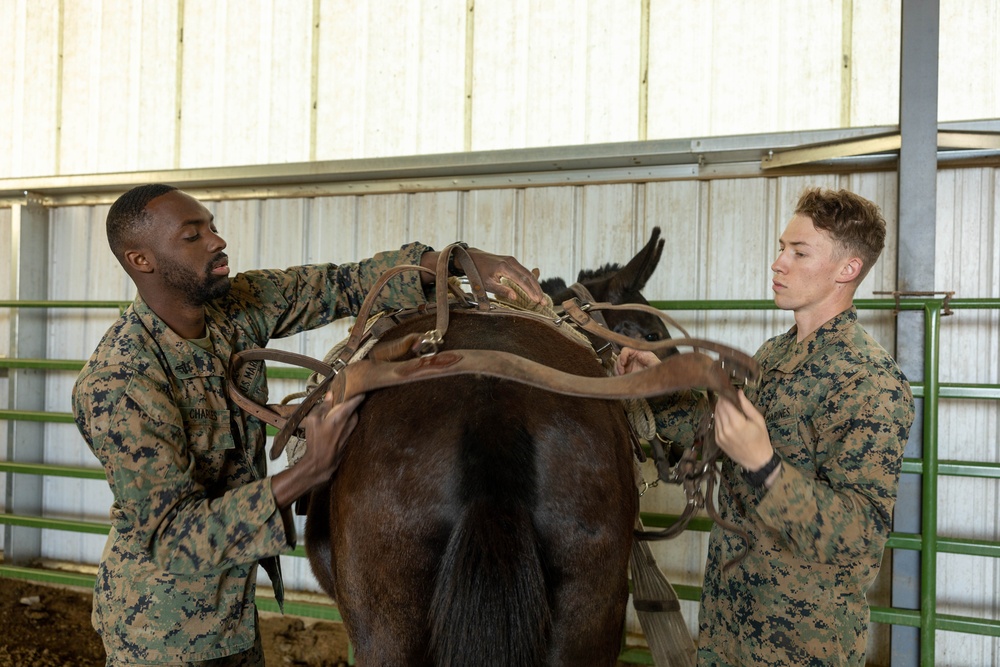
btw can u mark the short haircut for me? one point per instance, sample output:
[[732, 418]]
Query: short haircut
[[856, 224], [127, 215]]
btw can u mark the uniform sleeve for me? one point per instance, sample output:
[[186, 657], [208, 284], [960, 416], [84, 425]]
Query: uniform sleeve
[[679, 414], [162, 503], [306, 297], [845, 510]]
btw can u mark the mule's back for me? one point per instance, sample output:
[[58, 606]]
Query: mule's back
[[481, 521]]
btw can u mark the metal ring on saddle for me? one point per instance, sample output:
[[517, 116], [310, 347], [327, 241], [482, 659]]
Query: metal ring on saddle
[[430, 343]]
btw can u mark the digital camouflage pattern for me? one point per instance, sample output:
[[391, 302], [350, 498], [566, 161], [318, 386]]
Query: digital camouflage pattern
[[193, 511], [838, 411]]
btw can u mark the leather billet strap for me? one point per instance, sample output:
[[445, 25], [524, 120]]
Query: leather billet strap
[[584, 296], [607, 351], [677, 372], [442, 287], [471, 272], [275, 415]]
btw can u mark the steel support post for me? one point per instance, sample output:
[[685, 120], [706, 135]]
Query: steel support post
[[918, 95], [26, 386]]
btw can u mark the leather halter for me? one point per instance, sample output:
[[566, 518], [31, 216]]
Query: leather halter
[[415, 357], [589, 304]]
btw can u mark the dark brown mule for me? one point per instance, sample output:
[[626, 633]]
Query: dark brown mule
[[478, 521]]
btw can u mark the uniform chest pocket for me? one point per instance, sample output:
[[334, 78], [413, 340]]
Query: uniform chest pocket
[[210, 442], [783, 427], [207, 430], [790, 437]]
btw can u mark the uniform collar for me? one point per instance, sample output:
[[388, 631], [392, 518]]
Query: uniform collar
[[185, 359], [789, 353]]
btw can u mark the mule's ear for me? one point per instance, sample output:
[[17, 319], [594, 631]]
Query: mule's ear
[[639, 269], [553, 286]]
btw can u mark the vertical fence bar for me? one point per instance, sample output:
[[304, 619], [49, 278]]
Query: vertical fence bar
[[26, 386], [929, 513]]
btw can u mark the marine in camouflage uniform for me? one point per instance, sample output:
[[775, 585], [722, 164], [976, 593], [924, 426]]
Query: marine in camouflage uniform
[[838, 412], [813, 457], [194, 511]]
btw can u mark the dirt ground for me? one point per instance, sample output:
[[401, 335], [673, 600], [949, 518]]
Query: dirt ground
[[49, 626]]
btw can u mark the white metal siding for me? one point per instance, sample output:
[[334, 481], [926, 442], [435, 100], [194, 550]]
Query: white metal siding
[[29, 65], [120, 85], [245, 82], [968, 263], [719, 68], [550, 73]]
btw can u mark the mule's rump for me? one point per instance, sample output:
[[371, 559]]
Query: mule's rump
[[480, 521]]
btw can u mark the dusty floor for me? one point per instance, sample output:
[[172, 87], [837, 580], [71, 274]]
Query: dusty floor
[[49, 626]]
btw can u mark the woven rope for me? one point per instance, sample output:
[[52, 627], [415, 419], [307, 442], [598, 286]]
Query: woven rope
[[640, 415], [546, 309]]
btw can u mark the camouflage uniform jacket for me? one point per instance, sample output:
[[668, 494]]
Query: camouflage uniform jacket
[[838, 411], [193, 510]]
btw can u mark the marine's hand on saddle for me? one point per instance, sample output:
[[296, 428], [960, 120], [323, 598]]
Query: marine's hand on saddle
[[492, 268], [327, 428]]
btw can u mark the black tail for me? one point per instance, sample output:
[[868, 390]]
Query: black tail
[[490, 605]]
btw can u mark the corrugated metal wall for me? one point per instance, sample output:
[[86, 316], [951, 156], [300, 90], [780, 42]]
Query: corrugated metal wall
[[968, 262], [122, 85]]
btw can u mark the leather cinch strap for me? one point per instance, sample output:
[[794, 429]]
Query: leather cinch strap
[[275, 415]]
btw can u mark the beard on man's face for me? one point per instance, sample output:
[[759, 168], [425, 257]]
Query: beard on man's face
[[196, 289]]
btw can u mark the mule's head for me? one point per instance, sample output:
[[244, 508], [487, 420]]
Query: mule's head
[[621, 285]]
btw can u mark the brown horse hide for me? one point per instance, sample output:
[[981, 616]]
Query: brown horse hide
[[478, 521]]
